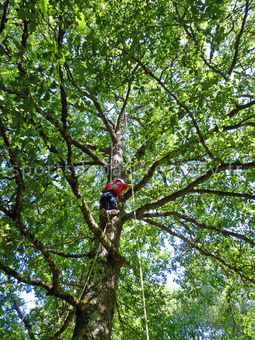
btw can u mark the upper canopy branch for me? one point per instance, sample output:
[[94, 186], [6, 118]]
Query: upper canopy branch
[[202, 251], [238, 38], [240, 108], [224, 193], [199, 224], [85, 148], [97, 105], [191, 34], [119, 119], [177, 100], [16, 169], [122, 111], [190, 187], [4, 16], [143, 182]]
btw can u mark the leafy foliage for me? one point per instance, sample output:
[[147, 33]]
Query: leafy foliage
[[172, 82]]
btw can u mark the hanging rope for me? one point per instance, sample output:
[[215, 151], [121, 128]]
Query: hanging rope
[[110, 165], [138, 247], [140, 261], [91, 268]]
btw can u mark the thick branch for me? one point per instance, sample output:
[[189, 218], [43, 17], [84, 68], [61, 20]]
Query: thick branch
[[236, 126], [190, 187], [200, 250], [208, 151], [95, 102], [15, 215], [240, 108], [143, 182], [63, 100], [119, 119], [224, 193], [85, 148], [37, 282], [200, 225], [16, 168], [238, 38], [68, 255], [21, 278], [25, 34], [4, 16], [66, 323], [103, 149], [39, 246]]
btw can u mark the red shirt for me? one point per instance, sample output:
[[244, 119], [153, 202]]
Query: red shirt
[[116, 187]]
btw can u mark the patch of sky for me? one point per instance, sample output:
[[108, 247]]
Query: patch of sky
[[30, 300]]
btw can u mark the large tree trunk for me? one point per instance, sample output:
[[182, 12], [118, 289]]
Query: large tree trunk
[[94, 316]]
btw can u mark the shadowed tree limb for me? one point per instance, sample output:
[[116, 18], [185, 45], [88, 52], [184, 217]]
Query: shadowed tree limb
[[97, 105], [16, 169], [224, 193], [199, 224], [16, 211], [9, 239], [143, 182], [122, 111], [189, 187], [68, 255], [37, 282], [238, 38], [86, 149], [239, 108], [39, 246], [199, 249], [4, 16]]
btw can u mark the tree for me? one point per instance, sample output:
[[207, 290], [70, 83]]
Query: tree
[[160, 93]]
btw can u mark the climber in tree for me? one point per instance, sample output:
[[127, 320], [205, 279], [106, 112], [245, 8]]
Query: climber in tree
[[108, 200]]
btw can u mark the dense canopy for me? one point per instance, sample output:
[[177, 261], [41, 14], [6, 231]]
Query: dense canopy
[[160, 94]]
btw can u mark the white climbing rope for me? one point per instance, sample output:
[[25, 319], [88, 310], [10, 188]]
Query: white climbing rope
[[139, 256]]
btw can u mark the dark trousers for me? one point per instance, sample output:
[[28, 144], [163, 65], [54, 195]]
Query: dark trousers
[[108, 201]]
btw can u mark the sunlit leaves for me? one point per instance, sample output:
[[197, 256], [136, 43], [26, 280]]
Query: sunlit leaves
[[180, 64]]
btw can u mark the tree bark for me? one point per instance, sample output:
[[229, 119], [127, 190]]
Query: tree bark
[[94, 315]]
